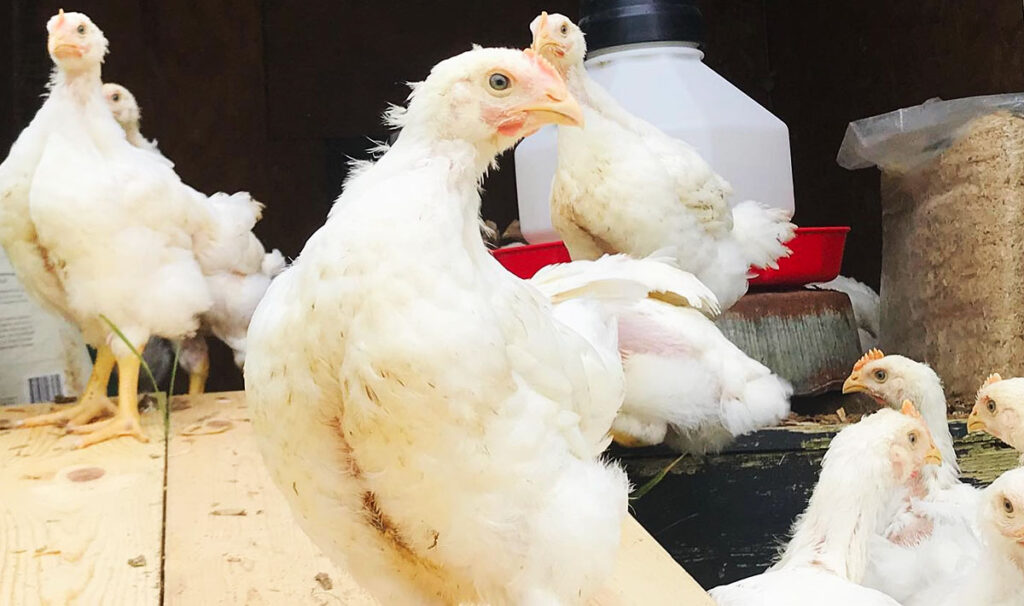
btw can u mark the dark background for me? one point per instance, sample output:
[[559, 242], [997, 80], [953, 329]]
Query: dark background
[[271, 96]]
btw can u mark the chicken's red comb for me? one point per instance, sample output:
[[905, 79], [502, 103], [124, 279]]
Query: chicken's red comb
[[544, 65], [872, 354]]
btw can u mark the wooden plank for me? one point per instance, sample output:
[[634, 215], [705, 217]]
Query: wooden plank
[[230, 536], [79, 526], [646, 574], [214, 468]]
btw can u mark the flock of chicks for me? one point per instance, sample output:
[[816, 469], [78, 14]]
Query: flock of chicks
[[102, 232], [437, 424], [890, 522]]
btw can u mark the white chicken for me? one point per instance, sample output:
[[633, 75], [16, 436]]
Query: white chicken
[[435, 425], [997, 577], [238, 268], [99, 231], [128, 114], [865, 307], [686, 384], [869, 471], [623, 186], [937, 535], [999, 410]]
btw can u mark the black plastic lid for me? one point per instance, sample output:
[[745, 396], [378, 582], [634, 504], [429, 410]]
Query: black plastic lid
[[615, 22]]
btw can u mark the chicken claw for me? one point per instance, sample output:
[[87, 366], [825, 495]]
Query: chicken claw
[[123, 424]]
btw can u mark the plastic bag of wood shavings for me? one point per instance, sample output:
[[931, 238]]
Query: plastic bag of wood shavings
[[953, 247], [41, 355]]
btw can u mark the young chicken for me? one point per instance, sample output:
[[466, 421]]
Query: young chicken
[[623, 186], [435, 427], [997, 411], [99, 231], [938, 534], [870, 470], [128, 114], [997, 577], [237, 275], [686, 384]]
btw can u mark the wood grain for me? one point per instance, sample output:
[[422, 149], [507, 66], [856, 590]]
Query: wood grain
[[231, 538], [70, 520]]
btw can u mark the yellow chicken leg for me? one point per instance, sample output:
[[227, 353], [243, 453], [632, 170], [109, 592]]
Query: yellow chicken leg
[[92, 404], [126, 421], [197, 378]]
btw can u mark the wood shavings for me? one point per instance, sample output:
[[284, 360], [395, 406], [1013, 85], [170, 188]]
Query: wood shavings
[[324, 580], [953, 258]]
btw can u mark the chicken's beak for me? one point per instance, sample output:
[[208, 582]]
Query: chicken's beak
[[1018, 535], [933, 456], [543, 43], [61, 49], [853, 384], [974, 422], [559, 107]]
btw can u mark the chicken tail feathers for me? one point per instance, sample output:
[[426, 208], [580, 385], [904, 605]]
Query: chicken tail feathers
[[763, 403], [761, 232]]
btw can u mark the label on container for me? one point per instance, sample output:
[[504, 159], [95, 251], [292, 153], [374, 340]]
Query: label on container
[[41, 355]]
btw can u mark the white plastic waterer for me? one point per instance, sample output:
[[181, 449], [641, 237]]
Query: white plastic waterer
[[645, 53]]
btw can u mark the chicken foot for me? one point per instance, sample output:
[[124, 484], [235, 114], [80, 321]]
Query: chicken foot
[[126, 421], [198, 375], [93, 403]]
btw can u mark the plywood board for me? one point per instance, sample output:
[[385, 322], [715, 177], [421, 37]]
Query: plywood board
[[231, 538], [79, 527]]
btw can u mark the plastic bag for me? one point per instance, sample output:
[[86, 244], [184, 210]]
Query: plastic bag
[[903, 140], [952, 198]]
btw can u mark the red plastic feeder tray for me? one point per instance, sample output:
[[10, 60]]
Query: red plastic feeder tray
[[817, 257]]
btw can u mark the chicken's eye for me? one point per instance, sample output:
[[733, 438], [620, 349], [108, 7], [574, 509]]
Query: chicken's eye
[[1007, 505], [912, 436], [564, 29], [499, 81], [991, 405], [115, 97], [80, 29], [880, 375]]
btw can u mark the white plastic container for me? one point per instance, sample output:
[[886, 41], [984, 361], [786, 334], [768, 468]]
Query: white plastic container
[[668, 85]]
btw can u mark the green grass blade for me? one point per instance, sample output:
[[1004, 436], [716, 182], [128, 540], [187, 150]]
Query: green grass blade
[[649, 484], [142, 361], [174, 375]]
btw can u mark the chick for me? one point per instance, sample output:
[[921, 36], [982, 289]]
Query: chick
[[870, 467], [996, 577], [997, 410], [623, 186]]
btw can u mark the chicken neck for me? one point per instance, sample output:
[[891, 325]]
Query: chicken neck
[[848, 507]]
